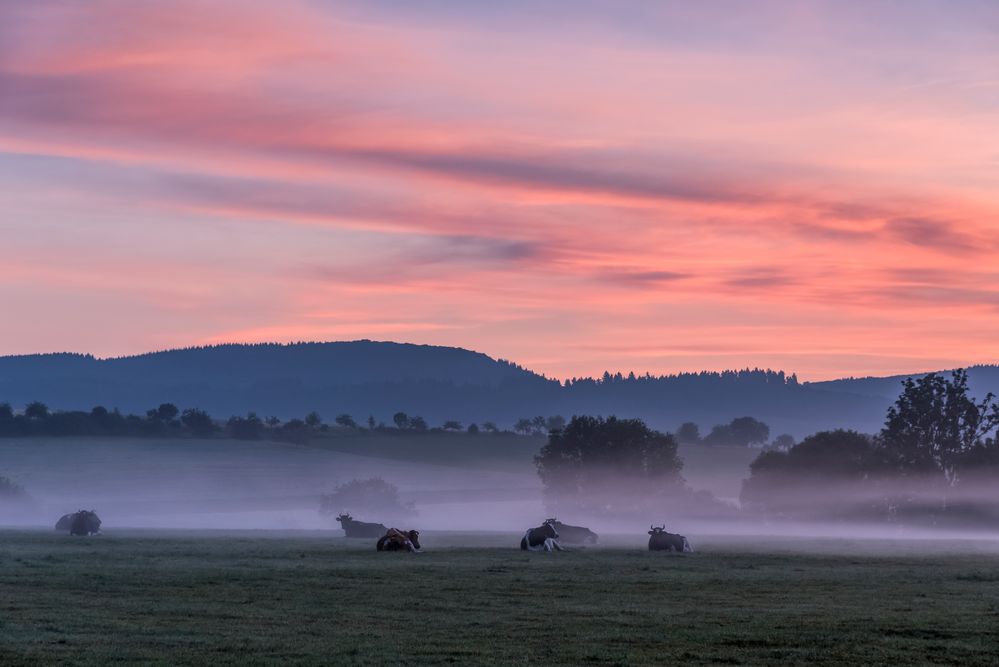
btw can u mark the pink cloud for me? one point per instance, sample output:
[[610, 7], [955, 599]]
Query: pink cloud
[[701, 202]]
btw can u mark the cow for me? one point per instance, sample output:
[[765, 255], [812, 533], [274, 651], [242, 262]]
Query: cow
[[354, 528], [660, 540], [84, 522], [65, 521], [573, 534], [542, 538], [399, 540]]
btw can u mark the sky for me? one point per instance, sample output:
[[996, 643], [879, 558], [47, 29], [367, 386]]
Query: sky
[[576, 186]]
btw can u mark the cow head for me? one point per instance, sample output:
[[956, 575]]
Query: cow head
[[553, 521], [414, 538], [344, 518], [549, 530], [657, 530]]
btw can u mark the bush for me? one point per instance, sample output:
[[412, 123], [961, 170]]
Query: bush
[[365, 495], [10, 491]]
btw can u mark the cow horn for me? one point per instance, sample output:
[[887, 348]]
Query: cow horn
[[651, 527]]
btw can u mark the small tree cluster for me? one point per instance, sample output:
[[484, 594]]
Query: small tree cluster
[[538, 425], [404, 422], [373, 495]]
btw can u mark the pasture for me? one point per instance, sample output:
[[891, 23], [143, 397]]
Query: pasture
[[254, 597]]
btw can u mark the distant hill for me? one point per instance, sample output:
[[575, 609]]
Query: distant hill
[[365, 377], [982, 379]]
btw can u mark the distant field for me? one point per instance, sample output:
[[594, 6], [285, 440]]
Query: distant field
[[254, 598]]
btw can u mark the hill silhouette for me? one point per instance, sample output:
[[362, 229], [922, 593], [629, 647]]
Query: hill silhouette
[[380, 378]]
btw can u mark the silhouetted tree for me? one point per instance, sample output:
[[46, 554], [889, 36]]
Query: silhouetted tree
[[539, 425], [689, 433], [6, 412], [473, 429], [313, 420], [294, 430], [371, 422], [11, 491], [365, 495], [249, 428], [783, 442], [198, 422], [748, 431], [489, 427], [273, 421], [523, 426], [346, 421], [452, 425], [611, 462], [167, 412], [554, 423], [36, 411], [740, 432], [799, 482], [934, 424], [401, 420], [418, 424]]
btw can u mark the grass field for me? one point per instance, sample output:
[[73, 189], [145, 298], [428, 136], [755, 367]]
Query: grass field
[[246, 597]]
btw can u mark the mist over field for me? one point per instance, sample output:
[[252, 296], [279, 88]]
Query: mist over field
[[491, 485]]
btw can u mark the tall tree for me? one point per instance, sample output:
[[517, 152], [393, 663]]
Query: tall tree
[[935, 423], [36, 410], [689, 433], [346, 421], [609, 462], [198, 422]]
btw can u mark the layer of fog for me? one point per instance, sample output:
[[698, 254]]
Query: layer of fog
[[263, 486]]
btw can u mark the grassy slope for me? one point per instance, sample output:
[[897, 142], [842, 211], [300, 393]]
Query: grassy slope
[[243, 598]]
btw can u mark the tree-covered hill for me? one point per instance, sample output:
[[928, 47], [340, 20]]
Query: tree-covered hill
[[363, 378]]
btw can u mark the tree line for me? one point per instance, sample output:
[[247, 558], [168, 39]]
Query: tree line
[[936, 458], [167, 420]]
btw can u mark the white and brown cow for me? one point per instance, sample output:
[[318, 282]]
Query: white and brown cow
[[542, 538]]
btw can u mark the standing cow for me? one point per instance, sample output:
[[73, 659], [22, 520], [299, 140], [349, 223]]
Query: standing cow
[[660, 540], [84, 522], [398, 540], [542, 538], [573, 534], [360, 528]]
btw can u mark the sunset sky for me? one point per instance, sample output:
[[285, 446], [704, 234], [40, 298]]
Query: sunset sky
[[575, 186]]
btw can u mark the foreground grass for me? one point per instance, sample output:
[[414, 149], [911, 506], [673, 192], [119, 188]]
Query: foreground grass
[[250, 598]]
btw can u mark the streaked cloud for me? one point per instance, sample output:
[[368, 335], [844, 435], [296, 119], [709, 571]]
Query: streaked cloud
[[578, 186]]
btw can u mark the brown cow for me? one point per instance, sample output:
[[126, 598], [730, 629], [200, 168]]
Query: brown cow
[[398, 540]]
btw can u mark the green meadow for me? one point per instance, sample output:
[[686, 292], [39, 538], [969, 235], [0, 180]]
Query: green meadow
[[253, 597]]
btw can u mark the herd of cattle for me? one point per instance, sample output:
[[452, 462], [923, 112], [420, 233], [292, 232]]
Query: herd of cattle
[[546, 537]]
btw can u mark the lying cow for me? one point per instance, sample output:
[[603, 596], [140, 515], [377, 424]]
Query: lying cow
[[573, 534], [660, 540], [398, 540], [360, 528], [542, 538], [84, 522]]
